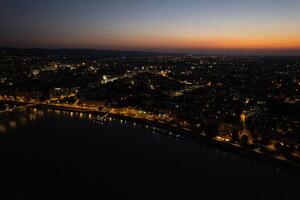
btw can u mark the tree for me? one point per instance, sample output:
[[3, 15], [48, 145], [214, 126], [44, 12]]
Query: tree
[[212, 128], [245, 141], [235, 136]]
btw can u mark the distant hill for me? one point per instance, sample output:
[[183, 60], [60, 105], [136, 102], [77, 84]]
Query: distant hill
[[117, 53], [80, 52]]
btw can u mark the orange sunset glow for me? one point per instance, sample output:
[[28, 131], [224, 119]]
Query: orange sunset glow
[[154, 25]]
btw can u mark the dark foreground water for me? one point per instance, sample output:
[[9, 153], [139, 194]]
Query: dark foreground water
[[51, 155]]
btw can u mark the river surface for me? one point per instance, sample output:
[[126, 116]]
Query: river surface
[[48, 154]]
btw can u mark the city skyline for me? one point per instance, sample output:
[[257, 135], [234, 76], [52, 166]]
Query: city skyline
[[150, 97], [169, 26]]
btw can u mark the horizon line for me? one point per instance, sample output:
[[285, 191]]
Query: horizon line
[[206, 51]]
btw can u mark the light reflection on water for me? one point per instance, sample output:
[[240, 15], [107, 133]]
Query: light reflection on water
[[3, 128], [23, 120], [174, 159], [17, 120], [13, 124], [31, 115]]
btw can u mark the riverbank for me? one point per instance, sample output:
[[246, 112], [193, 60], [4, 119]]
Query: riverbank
[[178, 132], [186, 133]]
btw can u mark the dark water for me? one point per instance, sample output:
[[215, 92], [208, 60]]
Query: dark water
[[57, 155]]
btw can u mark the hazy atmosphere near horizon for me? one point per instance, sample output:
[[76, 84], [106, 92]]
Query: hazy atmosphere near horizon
[[261, 26]]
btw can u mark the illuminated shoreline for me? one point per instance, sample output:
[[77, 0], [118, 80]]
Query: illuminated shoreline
[[168, 129], [175, 131]]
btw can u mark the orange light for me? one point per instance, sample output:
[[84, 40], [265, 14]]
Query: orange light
[[243, 117]]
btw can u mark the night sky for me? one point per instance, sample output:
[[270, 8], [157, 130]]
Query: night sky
[[160, 25]]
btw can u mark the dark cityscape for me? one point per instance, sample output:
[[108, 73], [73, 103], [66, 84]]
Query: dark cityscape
[[150, 117]]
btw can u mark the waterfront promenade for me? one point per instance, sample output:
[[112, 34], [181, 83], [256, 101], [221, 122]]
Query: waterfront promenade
[[171, 130]]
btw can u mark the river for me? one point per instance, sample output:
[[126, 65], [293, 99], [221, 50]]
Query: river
[[49, 154]]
